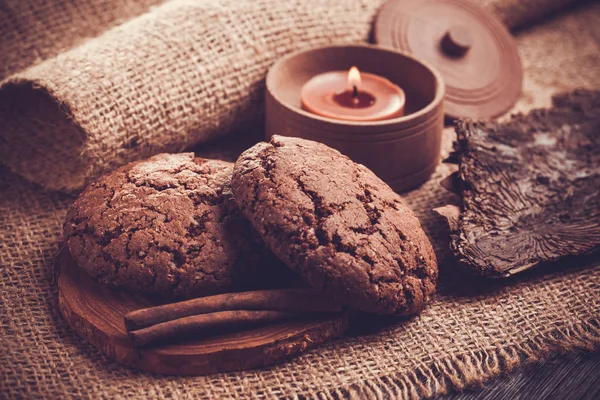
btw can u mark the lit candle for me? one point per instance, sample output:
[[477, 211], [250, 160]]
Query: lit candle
[[352, 96]]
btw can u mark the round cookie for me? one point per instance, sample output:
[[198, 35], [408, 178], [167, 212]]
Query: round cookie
[[337, 224], [167, 226]]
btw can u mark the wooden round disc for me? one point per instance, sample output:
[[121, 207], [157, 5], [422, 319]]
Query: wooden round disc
[[473, 51], [96, 312]]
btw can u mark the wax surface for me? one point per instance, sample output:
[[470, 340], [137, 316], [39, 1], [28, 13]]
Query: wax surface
[[354, 99], [329, 95]]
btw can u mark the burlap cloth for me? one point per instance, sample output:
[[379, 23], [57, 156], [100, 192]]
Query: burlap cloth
[[186, 71]]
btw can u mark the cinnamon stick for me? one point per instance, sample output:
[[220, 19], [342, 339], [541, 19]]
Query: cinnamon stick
[[287, 300], [204, 324]]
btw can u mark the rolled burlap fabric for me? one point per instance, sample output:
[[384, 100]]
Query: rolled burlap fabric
[[182, 73], [518, 13], [35, 30]]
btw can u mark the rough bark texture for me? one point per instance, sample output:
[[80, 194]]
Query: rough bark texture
[[530, 187]]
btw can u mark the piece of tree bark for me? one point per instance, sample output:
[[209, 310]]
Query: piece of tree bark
[[530, 187]]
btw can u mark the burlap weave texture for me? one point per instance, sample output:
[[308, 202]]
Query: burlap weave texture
[[183, 73], [35, 30], [519, 13], [464, 337]]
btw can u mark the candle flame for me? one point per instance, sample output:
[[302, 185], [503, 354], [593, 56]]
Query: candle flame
[[354, 78]]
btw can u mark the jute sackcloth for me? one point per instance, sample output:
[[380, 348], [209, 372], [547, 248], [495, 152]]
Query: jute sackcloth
[[471, 332], [34, 30], [182, 73]]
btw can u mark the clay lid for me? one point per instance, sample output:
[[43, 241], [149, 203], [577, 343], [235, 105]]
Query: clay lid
[[473, 51]]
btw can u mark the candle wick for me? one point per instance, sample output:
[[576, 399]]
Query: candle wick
[[354, 91]]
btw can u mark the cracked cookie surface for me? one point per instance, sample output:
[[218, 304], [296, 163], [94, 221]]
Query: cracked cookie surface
[[167, 226], [337, 224]]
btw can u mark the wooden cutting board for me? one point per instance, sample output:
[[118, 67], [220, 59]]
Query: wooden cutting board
[[96, 313]]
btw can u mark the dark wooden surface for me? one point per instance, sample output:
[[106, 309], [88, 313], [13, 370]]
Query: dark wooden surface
[[569, 377]]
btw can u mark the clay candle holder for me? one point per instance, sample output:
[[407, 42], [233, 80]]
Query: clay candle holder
[[403, 151]]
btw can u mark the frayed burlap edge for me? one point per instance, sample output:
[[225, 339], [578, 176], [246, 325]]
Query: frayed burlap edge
[[470, 369]]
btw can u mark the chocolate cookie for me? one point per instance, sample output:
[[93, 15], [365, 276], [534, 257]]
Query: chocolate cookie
[[167, 225], [336, 223]]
